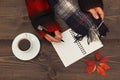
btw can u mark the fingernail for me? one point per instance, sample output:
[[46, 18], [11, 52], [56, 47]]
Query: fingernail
[[96, 17]]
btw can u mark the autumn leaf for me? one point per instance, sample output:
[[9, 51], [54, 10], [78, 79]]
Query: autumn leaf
[[101, 71], [99, 64], [104, 66], [90, 69], [98, 56], [104, 60], [90, 62]]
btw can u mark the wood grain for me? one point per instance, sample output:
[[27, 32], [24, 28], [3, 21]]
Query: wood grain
[[47, 65]]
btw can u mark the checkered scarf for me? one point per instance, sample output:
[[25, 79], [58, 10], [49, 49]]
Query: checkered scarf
[[80, 22]]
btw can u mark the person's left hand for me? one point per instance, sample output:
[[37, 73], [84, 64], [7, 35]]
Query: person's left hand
[[96, 12]]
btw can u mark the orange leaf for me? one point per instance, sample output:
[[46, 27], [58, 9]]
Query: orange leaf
[[104, 59], [90, 69], [104, 66], [101, 71], [98, 56], [90, 62]]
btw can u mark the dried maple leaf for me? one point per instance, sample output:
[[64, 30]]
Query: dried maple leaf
[[97, 56], [93, 65], [90, 69], [90, 62], [104, 60], [104, 66], [101, 71]]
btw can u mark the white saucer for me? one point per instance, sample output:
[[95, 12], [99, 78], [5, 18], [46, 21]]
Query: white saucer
[[29, 54]]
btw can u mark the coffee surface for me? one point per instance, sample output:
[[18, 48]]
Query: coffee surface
[[24, 44]]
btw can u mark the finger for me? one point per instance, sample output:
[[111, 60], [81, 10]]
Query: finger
[[47, 38], [58, 34], [94, 13], [100, 12], [50, 38]]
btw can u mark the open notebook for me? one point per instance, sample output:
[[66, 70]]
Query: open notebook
[[70, 52]]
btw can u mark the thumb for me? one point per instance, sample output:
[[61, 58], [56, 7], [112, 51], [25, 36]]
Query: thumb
[[94, 13]]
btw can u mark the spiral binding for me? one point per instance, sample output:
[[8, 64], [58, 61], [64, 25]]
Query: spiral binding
[[78, 43]]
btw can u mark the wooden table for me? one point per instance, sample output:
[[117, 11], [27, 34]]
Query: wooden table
[[47, 65]]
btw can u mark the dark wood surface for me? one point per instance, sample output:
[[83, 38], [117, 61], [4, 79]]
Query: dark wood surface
[[47, 65]]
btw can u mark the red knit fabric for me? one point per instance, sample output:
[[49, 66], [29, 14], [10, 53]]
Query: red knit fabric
[[37, 6], [41, 34]]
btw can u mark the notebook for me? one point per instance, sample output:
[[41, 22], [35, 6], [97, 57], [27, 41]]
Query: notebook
[[70, 51]]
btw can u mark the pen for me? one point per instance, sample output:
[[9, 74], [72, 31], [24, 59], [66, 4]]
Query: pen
[[100, 25], [41, 28]]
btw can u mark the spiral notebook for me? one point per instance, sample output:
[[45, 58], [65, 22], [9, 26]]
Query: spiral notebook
[[70, 51]]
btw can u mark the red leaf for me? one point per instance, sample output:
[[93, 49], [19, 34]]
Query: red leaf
[[101, 71], [90, 69], [98, 56], [104, 66], [104, 60], [90, 62]]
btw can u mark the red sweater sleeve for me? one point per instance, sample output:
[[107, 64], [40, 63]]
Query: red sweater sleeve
[[40, 13]]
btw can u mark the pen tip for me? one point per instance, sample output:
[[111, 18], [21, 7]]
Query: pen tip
[[62, 40]]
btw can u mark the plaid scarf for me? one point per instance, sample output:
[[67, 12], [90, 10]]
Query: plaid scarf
[[80, 22]]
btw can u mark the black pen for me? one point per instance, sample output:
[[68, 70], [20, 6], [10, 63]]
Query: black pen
[[41, 28]]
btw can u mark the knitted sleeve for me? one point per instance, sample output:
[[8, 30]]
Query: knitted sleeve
[[40, 13], [87, 4]]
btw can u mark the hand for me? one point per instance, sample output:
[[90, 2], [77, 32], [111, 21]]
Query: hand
[[96, 12], [57, 37]]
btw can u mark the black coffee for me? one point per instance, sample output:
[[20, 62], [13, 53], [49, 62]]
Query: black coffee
[[24, 44]]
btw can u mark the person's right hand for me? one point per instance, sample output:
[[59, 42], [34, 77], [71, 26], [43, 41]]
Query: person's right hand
[[96, 12], [57, 37]]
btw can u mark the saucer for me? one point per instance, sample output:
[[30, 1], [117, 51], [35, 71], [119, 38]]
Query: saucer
[[29, 54]]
